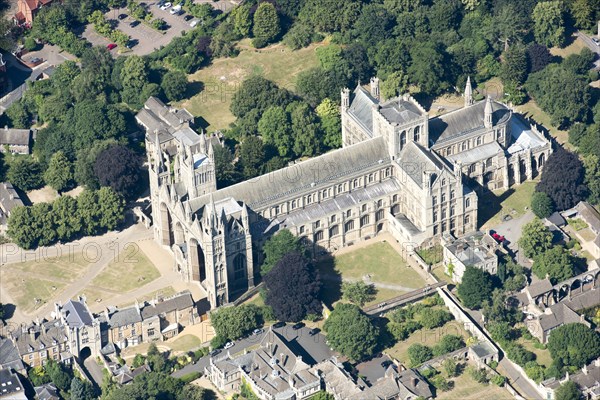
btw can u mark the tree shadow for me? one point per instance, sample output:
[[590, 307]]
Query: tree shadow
[[193, 88], [331, 280]]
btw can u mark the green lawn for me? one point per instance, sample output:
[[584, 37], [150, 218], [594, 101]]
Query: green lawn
[[427, 337], [494, 205], [432, 255], [128, 273], [184, 343], [220, 80], [466, 388], [577, 224], [164, 292], [386, 268], [543, 356]]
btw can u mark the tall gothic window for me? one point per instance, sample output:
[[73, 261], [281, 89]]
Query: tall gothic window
[[402, 139], [417, 135]]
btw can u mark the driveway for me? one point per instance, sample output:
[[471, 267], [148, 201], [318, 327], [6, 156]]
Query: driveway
[[511, 230], [313, 349], [374, 369], [94, 370]]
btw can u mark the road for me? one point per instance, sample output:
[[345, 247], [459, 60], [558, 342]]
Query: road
[[587, 40], [94, 370], [313, 349]]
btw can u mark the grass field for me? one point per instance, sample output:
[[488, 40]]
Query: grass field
[[127, 273], [385, 267], [543, 356], [531, 109], [512, 201], [164, 292], [222, 78], [574, 48], [184, 343], [466, 388], [41, 280], [427, 337]]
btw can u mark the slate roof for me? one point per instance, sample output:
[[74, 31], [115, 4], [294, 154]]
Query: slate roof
[[338, 380], [589, 214], [12, 136], [479, 153], [126, 316], [47, 392], [557, 219], [483, 349], [469, 252], [77, 314], [305, 176], [157, 117], [9, 356], [9, 198], [45, 335], [178, 302], [415, 160], [10, 385], [523, 136], [539, 287], [560, 315], [361, 108], [399, 110], [463, 121]]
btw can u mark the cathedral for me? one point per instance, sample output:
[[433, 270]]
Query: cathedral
[[398, 171]]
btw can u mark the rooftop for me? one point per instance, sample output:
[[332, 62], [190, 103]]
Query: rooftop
[[177, 302], [10, 384]]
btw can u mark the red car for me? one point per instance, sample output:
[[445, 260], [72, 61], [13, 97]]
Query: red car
[[111, 46], [498, 237]]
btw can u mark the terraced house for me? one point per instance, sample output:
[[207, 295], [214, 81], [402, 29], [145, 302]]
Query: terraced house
[[398, 171]]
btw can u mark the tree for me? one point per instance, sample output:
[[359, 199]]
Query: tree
[[119, 168], [292, 288], [25, 173], [134, 77], [234, 322], [82, 390], [21, 227], [275, 128], [448, 344], [305, 129], [277, 246], [428, 67], [514, 65], [563, 178], [59, 174], [224, 168], [351, 332], [535, 239], [59, 374], [497, 309], [541, 205], [252, 157], [568, 391], [174, 84], [18, 115], [359, 292], [592, 177], [434, 318], [323, 395], [548, 23], [418, 354], [574, 345], [66, 217], [476, 286], [329, 115], [266, 25], [450, 367], [395, 85], [112, 208], [85, 161], [257, 94], [242, 22], [583, 13], [538, 56], [557, 263]]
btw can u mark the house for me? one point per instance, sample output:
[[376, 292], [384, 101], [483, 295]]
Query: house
[[273, 371], [591, 217], [27, 9], [9, 199], [163, 318], [16, 141], [81, 327], [477, 250], [553, 317], [9, 356], [587, 380], [47, 391], [41, 341], [11, 387], [125, 375], [124, 326], [483, 353]]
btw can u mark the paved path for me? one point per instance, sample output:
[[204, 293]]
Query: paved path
[[334, 278], [512, 230]]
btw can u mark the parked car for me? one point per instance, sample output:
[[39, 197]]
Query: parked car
[[214, 352], [166, 6], [257, 332], [596, 40], [279, 324], [111, 46], [498, 238], [314, 331], [228, 345], [187, 17], [133, 24], [298, 326], [194, 23], [122, 16], [176, 9]]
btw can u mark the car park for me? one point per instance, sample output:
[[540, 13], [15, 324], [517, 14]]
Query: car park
[[176, 9], [194, 23], [279, 324], [187, 17], [298, 326], [314, 331], [133, 24], [214, 352], [596, 40], [166, 6]]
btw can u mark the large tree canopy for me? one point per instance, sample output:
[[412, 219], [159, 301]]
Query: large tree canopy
[[119, 168], [535, 239], [292, 288], [574, 345], [277, 246], [476, 286], [563, 179], [351, 332]]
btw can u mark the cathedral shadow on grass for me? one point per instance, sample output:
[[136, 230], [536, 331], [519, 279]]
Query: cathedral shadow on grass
[[331, 280], [490, 205]]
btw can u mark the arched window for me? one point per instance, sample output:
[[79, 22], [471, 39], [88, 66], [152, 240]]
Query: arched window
[[478, 140], [417, 134], [379, 203], [293, 204], [443, 213], [465, 145], [452, 211], [349, 226], [402, 139], [348, 213], [472, 168], [318, 236], [467, 219], [364, 221], [395, 198], [443, 197], [334, 231]]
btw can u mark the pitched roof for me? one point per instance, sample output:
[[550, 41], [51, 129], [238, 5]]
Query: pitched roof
[[9, 198], [47, 392], [539, 287], [560, 315], [465, 120], [13, 136], [38, 337], [415, 160], [323, 171], [178, 302], [361, 108], [77, 314], [9, 356], [589, 214], [126, 316]]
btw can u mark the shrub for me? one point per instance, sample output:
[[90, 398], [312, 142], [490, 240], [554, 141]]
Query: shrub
[[498, 380]]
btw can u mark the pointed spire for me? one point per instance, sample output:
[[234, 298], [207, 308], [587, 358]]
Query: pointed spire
[[468, 93], [211, 152], [157, 153], [212, 210], [245, 215], [203, 142], [487, 117], [188, 211]]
